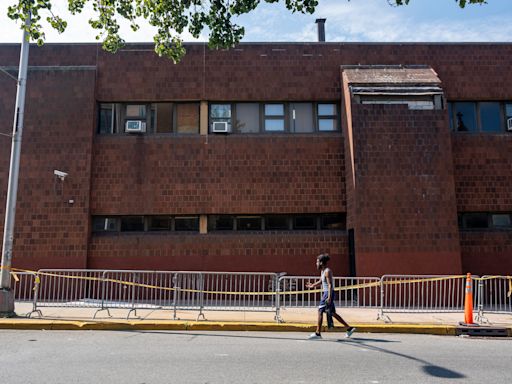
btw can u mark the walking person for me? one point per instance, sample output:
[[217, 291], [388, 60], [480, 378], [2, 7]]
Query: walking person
[[327, 302]]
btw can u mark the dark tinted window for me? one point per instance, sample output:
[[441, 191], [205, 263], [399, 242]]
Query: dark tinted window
[[106, 118], [335, 221], [304, 222], [160, 223], [220, 223], [186, 223], [248, 223], [475, 220], [490, 117], [132, 223], [276, 223], [105, 224]]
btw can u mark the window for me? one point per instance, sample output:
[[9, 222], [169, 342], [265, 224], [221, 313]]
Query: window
[[327, 117], [190, 223], [105, 224], [485, 116], [274, 118], [301, 117], [106, 118], [508, 114], [333, 221], [465, 117], [490, 117], [220, 113], [304, 222], [276, 223], [248, 223], [160, 223], [161, 117], [485, 220], [247, 118], [501, 220], [220, 223], [132, 223], [187, 118]]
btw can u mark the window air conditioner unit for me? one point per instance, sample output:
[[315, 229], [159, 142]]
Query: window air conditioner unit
[[135, 126], [220, 127], [509, 124]]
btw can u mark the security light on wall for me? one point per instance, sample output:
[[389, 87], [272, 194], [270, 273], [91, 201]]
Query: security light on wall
[[60, 174]]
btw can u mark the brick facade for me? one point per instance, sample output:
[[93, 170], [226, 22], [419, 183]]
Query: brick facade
[[403, 207]]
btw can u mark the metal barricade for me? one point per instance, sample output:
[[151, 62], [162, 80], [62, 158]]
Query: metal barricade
[[76, 288], [422, 293], [495, 295], [226, 291], [132, 290], [350, 292], [25, 286]]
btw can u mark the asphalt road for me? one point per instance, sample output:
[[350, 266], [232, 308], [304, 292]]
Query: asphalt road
[[248, 357]]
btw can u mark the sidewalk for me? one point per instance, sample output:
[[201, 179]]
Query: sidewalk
[[296, 320]]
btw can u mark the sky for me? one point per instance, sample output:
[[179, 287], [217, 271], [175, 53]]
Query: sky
[[347, 21]]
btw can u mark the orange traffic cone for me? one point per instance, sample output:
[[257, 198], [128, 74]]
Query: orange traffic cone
[[468, 303]]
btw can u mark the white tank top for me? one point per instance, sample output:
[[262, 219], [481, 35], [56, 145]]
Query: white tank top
[[325, 286]]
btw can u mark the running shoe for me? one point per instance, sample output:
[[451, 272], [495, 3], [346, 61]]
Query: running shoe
[[350, 331], [314, 336]]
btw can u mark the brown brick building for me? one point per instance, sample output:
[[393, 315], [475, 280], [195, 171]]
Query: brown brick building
[[394, 158]]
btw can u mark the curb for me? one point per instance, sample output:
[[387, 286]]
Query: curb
[[445, 330]]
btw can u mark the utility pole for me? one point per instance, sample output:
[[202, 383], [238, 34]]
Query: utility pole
[[6, 293]]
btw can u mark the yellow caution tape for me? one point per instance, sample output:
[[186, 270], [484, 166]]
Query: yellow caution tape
[[308, 291]]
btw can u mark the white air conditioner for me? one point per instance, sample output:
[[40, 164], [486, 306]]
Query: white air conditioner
[[509, 124], [220, 127], [135, 126]]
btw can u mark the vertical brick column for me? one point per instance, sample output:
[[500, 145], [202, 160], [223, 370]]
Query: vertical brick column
[[400, 190]]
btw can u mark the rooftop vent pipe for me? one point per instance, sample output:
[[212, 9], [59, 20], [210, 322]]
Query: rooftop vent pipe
[[321, 29]]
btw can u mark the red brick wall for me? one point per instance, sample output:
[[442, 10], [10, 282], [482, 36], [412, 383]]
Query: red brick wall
[[404, 199], [483, 172], [308, 71], [50, 232], [483, 180], [294, 253], [486, 252], [221, 174]]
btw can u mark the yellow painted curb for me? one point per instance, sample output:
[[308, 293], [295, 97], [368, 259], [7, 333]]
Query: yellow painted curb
[[36, 324]]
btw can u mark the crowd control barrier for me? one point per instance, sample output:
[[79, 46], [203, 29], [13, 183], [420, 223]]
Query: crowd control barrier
[[132, 290], [495, 296], [246, 291], [226, 291], [350, 292], [420, 293], [73, 288]]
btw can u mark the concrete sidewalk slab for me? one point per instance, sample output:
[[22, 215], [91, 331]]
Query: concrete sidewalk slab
[[294, 320]]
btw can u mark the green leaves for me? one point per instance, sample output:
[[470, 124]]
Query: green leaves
[[170, 17]]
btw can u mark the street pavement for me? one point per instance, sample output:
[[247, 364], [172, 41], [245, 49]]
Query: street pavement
[[248, 357]]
